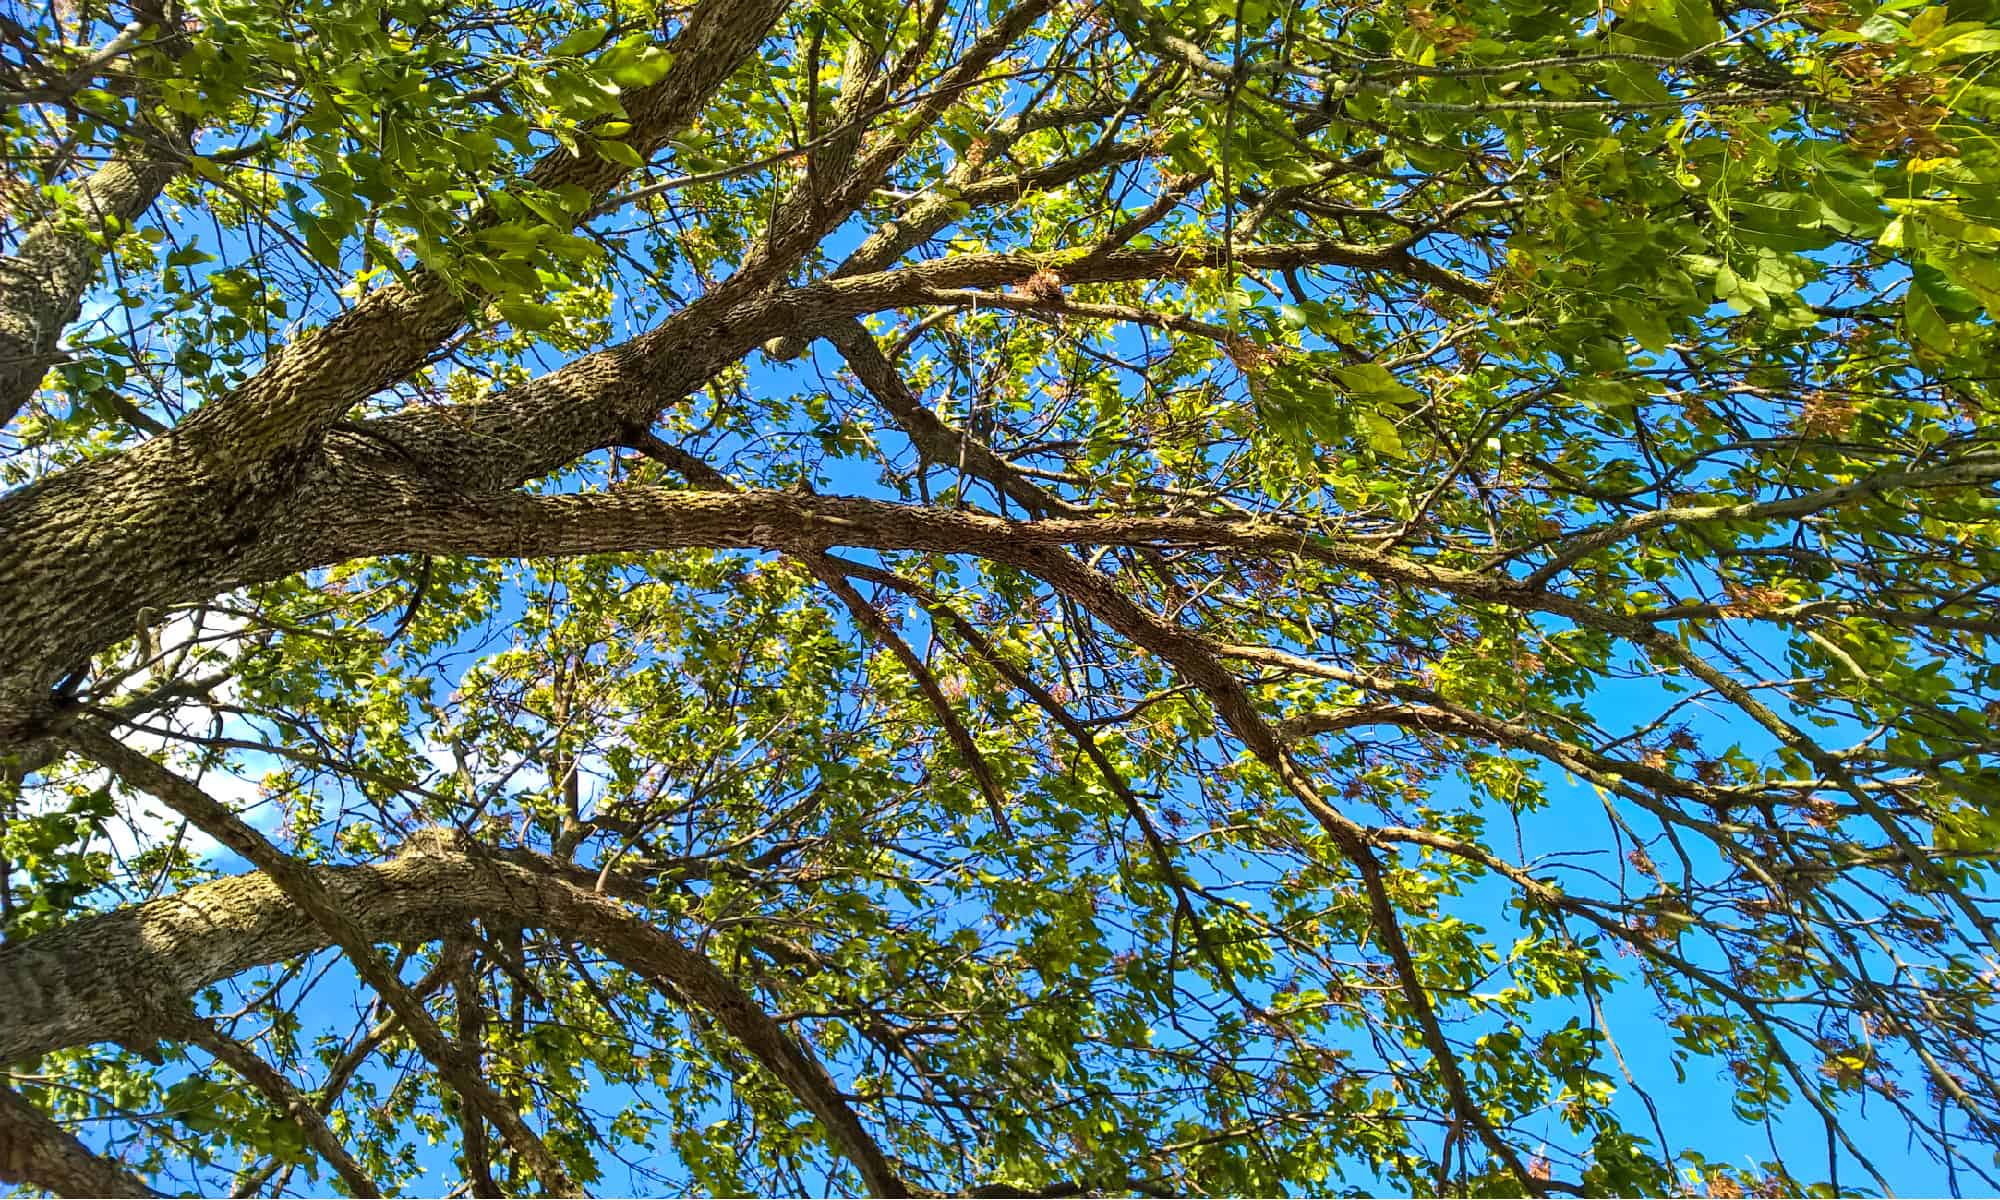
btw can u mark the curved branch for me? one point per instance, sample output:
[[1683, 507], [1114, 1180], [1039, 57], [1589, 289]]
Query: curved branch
[[110, 976], [284, 1097], [303, 888]]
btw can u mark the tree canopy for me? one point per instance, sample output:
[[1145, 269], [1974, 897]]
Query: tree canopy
[[1012, 597]]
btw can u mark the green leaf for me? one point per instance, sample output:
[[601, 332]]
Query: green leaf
[[1383, 437], [1978, 41], [643, 71], [547, 208], [1926, 324], [1374, 382], [618, 152], [1644, 324], [580, 41], [1978, 274], [527, 315]]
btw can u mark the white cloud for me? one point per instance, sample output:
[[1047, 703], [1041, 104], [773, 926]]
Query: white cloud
[[188, 644]]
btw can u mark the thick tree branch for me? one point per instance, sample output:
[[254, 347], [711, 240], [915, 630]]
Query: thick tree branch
[[312, 383], [407, 516], [109, 976], [39, 1153], [303, 887], [171, 522], [42, 283]]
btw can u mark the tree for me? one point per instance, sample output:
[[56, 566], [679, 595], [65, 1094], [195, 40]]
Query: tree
[[1028, 598]]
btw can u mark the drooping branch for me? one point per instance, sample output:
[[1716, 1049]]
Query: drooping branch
[[1555, 899], [1196, 658], [1797, 740], [278, 1090], [110, 976], [302, 887], [960, 737], [1086, 740], [866, 615]]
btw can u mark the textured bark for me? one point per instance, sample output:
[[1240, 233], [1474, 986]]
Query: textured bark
[[303, 888], [180, 519], [176, 518], [42, 285], [471, 1028], [82, 551], [40, 1153], [122, 974], [260, 484], [535, 428], [314, 381], [408, 518]]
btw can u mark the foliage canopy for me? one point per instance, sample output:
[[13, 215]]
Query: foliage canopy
[[1005, 596]]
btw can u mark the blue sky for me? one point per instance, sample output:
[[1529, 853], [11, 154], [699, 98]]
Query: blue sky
[[1694, 1111], [1691, 1112]]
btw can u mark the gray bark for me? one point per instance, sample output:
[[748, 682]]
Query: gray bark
[[127, 975], [42, 284], [187, 514], [313, 382]]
